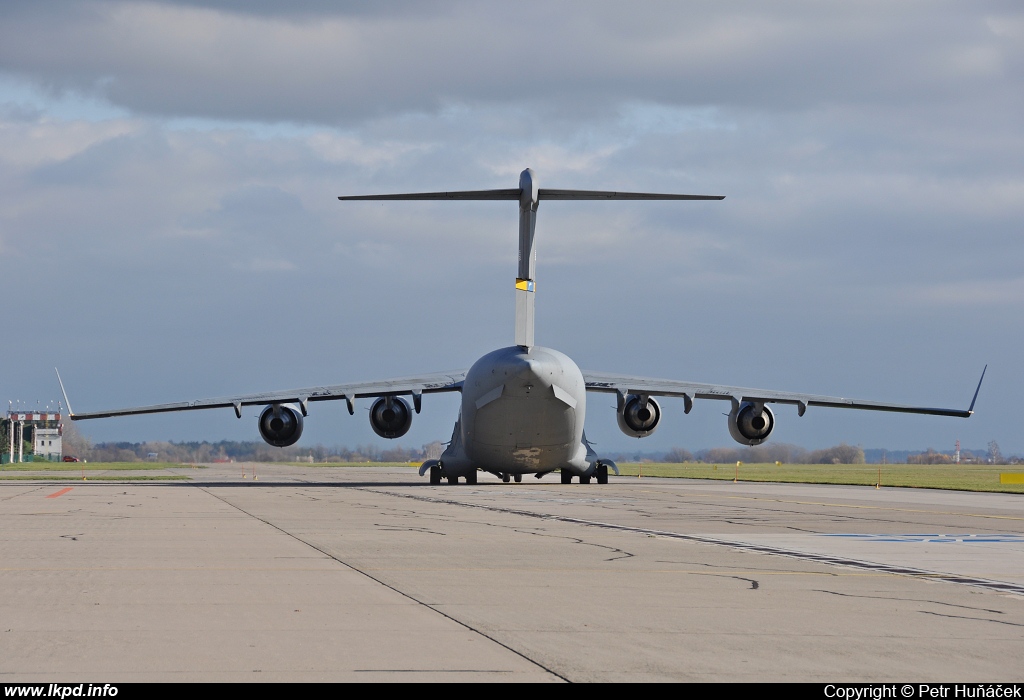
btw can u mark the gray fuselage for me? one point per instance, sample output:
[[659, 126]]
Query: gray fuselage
[[522, 413]]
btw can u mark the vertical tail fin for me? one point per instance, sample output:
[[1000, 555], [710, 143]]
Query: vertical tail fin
[[525, 285], [529, 195]]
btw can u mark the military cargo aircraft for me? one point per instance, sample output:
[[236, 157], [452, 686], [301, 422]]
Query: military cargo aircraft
[[523, 406]]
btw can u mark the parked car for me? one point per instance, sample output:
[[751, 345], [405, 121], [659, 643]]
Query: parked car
[[69, 458]]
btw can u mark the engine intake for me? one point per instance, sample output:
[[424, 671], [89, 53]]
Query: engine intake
[[638, 415], [748, 426], [390, 417], [281, 424]]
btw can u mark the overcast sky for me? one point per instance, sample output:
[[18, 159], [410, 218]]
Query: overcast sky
[[169, 228]]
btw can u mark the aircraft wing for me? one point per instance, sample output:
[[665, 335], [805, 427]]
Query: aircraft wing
[[688, 391], [405, 386]]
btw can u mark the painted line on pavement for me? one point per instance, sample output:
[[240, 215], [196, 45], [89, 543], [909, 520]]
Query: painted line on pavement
[[1000, 586]]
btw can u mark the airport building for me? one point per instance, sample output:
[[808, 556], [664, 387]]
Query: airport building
[[30, 437]]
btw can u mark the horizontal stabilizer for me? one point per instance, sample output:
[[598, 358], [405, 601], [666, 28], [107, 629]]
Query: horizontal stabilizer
[[541, 194], [595, 194], [469, 194], [529, 195]]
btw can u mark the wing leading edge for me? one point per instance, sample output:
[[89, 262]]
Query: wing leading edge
[[404, 386], [688, 391]]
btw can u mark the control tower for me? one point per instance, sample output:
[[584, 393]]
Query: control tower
[[43, 429]]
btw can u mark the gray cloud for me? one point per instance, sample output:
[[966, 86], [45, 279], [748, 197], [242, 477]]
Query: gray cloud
[[571, 59], [869, 244]]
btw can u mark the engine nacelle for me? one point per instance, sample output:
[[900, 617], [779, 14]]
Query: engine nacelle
[[281, 424], [390, 417], [749, 427], [638, 418]]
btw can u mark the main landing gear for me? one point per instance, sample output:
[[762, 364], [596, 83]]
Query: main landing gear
[[600, 474], [436, 474]]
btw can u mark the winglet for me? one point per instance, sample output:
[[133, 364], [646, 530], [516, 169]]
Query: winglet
[[71, 414], [969, 410]]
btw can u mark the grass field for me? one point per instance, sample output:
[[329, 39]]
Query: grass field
[[69, 477], [414, 465], [89, 466], [960, 477]]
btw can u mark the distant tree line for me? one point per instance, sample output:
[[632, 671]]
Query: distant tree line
[[227, 450], [840, 454], [993, 455], [761, 454], [258, 451]]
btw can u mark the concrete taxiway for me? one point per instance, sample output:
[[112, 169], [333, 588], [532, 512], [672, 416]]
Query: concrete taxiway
[[370, 574]]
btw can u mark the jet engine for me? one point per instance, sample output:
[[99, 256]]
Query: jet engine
[[390, 417], [281, 424], [638, 415], [750, 426]]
